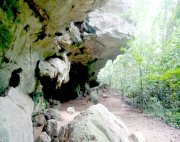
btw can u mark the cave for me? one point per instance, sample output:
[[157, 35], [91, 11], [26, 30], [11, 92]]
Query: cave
[[79, 76]]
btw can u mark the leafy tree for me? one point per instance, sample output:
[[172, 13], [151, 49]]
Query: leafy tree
[[149, 72]]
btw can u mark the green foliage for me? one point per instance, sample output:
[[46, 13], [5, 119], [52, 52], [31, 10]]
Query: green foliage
[[5, 36], [40, 103], [172, 117], [11, 7], [149, 72], [8, 13]]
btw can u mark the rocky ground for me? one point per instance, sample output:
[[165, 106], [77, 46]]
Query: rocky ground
[[153, 129]]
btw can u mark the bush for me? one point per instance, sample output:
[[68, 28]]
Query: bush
[[172, 117]]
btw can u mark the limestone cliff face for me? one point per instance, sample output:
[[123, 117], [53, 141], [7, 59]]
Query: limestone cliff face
[[43, 28], [39, 21], [49, 37]]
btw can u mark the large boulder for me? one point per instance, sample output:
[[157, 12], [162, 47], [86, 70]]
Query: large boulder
[[97, 124], [15, 119]]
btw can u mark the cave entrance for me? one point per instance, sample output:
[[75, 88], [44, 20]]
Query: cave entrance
[[80, 77]]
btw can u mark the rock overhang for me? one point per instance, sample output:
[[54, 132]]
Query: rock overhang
[[39, 40]]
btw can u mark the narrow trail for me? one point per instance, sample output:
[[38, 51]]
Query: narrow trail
[[153, 129]]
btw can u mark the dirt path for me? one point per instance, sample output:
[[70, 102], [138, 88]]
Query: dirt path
[[153, 129]]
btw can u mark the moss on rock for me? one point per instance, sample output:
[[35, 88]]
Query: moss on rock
[[11, 7], [5, 36]]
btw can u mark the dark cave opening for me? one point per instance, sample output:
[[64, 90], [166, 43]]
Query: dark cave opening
[[15, 78], [79, 76], [49, 86]]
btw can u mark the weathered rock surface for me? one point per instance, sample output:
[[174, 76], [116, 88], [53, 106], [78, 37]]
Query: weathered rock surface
[[38, 120], [53, 114], [55, 69], [37, 132], [51, 129], [94, 124], [15, 119], [36, 38], [33, 38], [70, 36], [54, 104], [54, 128], [70, 110], [44, 137], [97, 124], [112, 30]]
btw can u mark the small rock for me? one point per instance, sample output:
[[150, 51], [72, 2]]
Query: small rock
[[53, 114], [55, 104], [94, 97], [64, 134], [53, 128], [38, 120], [44, 137], [70, 110], [37, 132], [105, 95]]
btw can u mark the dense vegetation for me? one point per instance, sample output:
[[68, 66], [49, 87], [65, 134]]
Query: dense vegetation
[[8, 13], [149, 72], [11, 7], [5, 36]]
